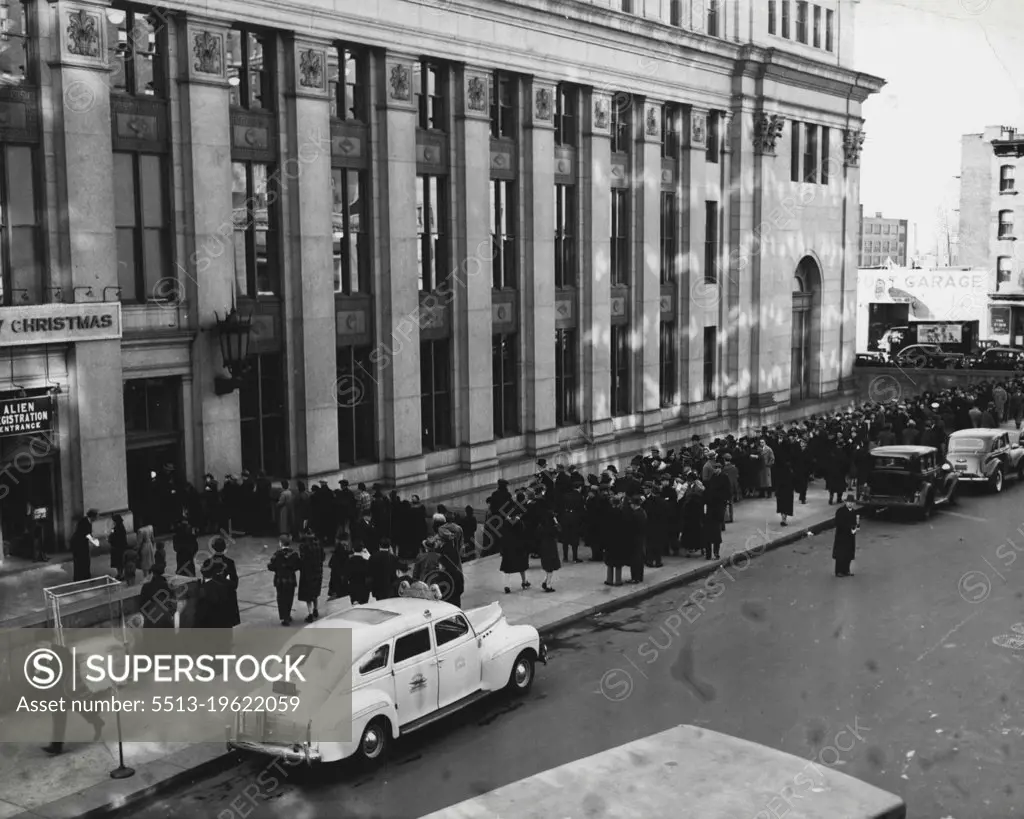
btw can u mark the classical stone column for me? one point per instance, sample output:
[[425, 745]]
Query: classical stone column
[[538, 280], [853, 140], [646, 317], [396, 359], [730, 312], [208, 275], [84, 157], [309, 288], [743, 259], [699, 298], [471, 289], [595, 266]]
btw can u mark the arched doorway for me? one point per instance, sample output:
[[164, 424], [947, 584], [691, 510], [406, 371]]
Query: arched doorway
[[805, 347]]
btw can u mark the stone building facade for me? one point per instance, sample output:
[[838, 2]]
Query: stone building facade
[[468, 235], [882, 240]]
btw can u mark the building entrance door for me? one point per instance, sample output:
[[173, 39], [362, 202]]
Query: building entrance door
[[154, 492], [28, 511]]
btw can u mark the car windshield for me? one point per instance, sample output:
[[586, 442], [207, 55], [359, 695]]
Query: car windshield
[[892, 462], [966, 445]]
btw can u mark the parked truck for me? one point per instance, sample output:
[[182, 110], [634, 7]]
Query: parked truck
[[952, 336]]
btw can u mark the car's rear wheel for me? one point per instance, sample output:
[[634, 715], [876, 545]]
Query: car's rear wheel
[[520, 679], [996, 482], [373, 745]]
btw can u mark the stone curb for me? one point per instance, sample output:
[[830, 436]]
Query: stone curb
[[219, 763]]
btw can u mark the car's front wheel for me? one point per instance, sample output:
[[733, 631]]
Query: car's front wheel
[[373, 745], [996, 481], [520, 679]]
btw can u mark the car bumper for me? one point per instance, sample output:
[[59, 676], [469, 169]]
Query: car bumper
[[972, 477], [881, 501], [543, 657], [289, 753]]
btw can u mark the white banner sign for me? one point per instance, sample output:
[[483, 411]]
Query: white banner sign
[[59, 323]]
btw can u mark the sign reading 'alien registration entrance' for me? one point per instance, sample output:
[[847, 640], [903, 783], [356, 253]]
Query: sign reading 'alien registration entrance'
[[59, 323]]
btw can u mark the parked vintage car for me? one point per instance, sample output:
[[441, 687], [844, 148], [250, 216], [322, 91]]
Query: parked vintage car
[[413, 662], [920, 356], [913, 477], [985, 456], [998, 358]]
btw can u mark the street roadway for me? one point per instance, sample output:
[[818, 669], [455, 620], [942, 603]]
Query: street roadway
[[908, 675]]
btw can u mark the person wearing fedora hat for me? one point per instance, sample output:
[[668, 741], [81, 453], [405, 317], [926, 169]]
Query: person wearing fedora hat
[[82, 542], [844, 545]]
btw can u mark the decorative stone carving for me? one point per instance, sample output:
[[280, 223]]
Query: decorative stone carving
[[311, 69], [651, 124], [602, 113], [698, 129], [83, 34], [853, 141], [398, 83], [767, 130], [543, 109], [206, 48], [476, 94]]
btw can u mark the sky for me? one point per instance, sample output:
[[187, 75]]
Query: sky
[[952, 67]]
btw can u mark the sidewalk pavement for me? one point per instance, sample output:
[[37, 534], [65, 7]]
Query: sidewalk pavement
[[77, 784]]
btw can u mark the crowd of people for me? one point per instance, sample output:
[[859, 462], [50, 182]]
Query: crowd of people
[[679, 503]]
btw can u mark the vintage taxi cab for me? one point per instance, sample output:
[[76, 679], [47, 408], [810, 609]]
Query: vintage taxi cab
[[912, 477], [985, 456], [413, 662]]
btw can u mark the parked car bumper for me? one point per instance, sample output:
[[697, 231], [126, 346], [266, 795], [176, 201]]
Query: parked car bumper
[[290, 753], [972, 477], [543, 656], [889, 502]]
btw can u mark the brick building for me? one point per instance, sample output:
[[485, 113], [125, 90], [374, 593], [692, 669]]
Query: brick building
[[570, 224], [882, 240]]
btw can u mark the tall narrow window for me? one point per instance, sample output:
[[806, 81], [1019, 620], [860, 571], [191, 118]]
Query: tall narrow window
[[503, 105], [136, 42], [817, 26], [711, 242], [565, 116], [357, 415], [785, 18], [1004, 269], [250, 77], [667, 363], [713, 21], [565, 378], [431, 220], [503, 233], [826, 137], [811, 154], [794, 151], [675, 12], [710, 363], [772, 22], [1006, 224], [255, 221], [435, 394], [620, 237], [565, 236], [627, 6], [14, 57], [505, 379], [620, 384], [261, 410], [1007, 179], [669, 250], [829, 30], [347, 80], [714, 146], [669, 131], [351, 245], [429, 80], [21, 252], [801, 21], [140, 206], [622, 109]]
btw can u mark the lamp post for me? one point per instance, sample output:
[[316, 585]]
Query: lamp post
[[233, 333]]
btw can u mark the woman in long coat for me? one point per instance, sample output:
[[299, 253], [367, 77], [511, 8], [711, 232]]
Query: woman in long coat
[[514, 556], [800, 464], [836, 467], [547, 532], [82, 542], [691, 517], [311, 575], [844, 547], [118, 540], [783, 481], [616, 549]]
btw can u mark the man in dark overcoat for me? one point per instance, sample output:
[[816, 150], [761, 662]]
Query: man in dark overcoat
[[845, 545]]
